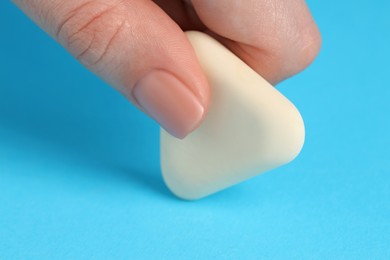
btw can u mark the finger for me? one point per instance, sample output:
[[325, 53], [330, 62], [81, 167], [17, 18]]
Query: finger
[[276, 38], [135, 47], [182, 13]]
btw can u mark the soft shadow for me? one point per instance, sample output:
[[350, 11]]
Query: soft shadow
[[104, 131], [146, 179]]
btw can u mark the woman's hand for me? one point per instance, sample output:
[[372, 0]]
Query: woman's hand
[[139, 47]]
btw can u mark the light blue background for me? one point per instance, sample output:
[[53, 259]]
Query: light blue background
[[79, 166]]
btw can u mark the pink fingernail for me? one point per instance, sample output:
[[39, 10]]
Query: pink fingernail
[[171, 103]]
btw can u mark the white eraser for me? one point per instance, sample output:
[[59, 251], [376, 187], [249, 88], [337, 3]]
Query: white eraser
[[250, 128]]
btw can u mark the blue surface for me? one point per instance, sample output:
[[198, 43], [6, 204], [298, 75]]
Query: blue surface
[[79, 166]]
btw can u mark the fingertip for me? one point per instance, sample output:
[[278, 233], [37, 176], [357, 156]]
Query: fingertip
[[169, 102]]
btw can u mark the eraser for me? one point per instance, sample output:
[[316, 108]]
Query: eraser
[[250, 128]]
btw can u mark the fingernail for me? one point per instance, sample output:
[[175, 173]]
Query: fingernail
[[168, 101]]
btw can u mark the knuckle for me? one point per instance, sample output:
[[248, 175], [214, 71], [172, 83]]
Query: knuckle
[[308, 45], [292, 37], [298, 50], [89, 31]]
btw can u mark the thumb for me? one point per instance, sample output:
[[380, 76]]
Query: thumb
[[135, 47]]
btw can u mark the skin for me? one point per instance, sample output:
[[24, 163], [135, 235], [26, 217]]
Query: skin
[[124, 41]]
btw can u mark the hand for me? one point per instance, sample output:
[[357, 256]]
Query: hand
[[139, 47]]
